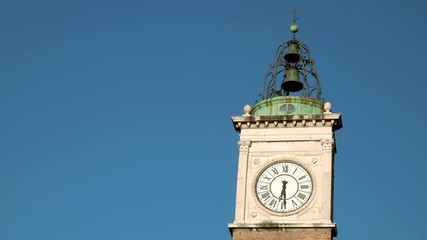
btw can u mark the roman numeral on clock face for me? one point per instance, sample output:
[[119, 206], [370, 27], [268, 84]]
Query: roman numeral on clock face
[[265, 196], [296, 168], [273, 203], [301, 196], [266, 177], [294, 204], [285, 168], [275, 171]]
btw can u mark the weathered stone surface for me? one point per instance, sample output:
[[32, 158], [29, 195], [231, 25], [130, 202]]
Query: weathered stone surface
[[282, 234]]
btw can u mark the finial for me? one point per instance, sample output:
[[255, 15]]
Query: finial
[[327, 107], [294, 26], [295, 15], [247, 110]]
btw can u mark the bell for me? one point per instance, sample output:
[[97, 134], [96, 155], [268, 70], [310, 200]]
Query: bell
[[292, 55], [292, 82]]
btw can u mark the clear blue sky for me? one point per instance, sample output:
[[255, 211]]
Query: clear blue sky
[[115, 115]]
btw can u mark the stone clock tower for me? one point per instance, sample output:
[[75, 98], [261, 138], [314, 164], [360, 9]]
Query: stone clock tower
[[285, 178]]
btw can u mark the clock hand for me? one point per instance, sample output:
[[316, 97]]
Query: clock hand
[[283, 193]]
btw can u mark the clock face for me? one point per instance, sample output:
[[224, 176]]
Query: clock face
[[284, 187]]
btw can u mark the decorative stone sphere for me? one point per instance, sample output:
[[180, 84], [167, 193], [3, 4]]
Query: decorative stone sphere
[[294, 28], [246, 110], [327, 107]]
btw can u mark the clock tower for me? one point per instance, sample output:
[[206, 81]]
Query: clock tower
[[285, 178]]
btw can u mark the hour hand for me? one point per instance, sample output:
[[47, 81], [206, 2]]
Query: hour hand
[[283, 193]]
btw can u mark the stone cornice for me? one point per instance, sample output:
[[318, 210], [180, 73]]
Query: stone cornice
[[288, 121], [283, 226]]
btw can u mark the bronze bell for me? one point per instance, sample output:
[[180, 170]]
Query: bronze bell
[[292, 82], [292, 55]]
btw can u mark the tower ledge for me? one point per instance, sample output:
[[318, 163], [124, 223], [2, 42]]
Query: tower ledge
[[288, 121], [284, 227]]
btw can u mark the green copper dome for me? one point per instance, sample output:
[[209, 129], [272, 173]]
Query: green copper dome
[[287, 105]]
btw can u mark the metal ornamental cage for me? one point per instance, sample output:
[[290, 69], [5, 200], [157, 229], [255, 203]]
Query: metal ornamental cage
[[292, 71]]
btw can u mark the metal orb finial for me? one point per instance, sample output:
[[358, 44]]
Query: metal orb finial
[[294, 28]]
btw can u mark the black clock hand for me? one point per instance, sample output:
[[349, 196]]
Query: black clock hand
[[283, 193]]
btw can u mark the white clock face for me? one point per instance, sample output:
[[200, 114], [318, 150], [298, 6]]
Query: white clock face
[[284, 187]]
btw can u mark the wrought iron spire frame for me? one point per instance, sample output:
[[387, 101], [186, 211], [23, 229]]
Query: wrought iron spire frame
[[279, 68]]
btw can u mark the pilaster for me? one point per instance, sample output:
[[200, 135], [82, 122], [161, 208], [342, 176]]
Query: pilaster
[[244, 146]]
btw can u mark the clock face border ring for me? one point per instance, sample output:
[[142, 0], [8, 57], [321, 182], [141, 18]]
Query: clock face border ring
[[270, 163]]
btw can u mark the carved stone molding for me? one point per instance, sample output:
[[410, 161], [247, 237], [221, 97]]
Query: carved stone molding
[[327, 144], [328, 119], [244, 145]]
